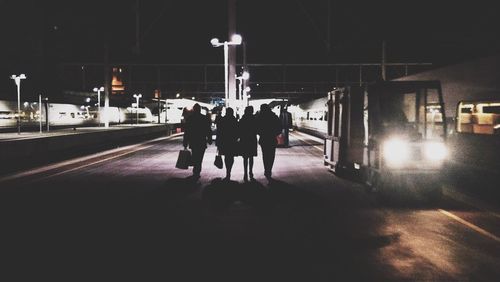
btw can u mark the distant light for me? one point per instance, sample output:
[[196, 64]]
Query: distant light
[[249, 96], [87, 100], [247, 89], [55, 27], [82, 107], [178, 95], [192, 98], [236, 39], [215, 41], [83, 67], [26, 104], [258, 84], [245, 75]]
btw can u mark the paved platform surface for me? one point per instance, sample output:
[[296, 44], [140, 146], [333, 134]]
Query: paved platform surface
[[10, 136], [129, 214]]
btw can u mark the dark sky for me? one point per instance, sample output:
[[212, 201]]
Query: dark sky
[[41, 34], [285, 31]]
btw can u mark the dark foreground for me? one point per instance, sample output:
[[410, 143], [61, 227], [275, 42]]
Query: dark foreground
[[131, 215]]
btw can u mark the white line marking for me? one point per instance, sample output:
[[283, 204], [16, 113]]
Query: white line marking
[[457, 196], [470, 225]]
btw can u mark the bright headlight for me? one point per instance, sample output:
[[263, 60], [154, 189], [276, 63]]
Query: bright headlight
[[396, 152], [435, 151]]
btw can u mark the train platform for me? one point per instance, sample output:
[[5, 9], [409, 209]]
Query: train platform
[[12, 136], [32, 147], [129, 214]]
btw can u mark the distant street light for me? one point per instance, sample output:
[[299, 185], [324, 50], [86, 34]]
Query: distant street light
[[244, 76], [99, 90], [178, 95], [246, 96], [17, 80], [235, 40], [137, 96]]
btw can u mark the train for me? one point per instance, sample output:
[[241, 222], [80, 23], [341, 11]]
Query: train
[[67, 115], [464, 114]]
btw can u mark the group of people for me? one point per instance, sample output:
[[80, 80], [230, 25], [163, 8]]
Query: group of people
[[234, 138]]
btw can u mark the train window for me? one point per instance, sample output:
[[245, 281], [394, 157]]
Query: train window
[[491, 109], [479, 118]]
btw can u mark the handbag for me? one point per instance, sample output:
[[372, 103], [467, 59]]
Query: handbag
[[218, 161], [183, 160]]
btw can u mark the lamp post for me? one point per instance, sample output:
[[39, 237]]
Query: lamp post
[[244, 76], [17, 80], [245, 95], [235, 40], [99, 90], [137, 96]]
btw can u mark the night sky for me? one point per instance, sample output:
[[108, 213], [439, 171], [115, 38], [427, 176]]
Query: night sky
[[41, 34]]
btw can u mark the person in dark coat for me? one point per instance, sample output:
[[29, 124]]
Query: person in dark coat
[[247, 129], [268, 128], [227, 139], [197, 133]]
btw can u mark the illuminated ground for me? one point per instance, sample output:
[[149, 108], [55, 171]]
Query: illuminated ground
[[128, 213]]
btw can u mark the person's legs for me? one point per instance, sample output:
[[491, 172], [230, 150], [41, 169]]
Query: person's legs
[[229, 160], [250, 170], [197, 158], [268, 155], [245, 168]]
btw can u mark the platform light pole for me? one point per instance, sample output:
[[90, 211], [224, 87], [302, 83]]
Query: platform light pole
[[40, 110], [17, 79], [235, 40], [99, 90], [244, 76], [137, 97], [246, 96]]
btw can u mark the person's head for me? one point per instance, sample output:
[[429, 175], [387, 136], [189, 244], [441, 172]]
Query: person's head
[[249, 110], [229, 112], [196, 108], [264, 108]]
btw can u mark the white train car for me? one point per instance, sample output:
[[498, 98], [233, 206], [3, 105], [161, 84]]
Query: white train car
[[311, 116]]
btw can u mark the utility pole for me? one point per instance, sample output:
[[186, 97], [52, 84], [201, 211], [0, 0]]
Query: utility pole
[[107, 85], [328, 31], [231, 51], [383, 61], [137, 28]]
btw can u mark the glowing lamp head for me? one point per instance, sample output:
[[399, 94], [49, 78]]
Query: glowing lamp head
[[245, 75], [215, 42], [236, 39]]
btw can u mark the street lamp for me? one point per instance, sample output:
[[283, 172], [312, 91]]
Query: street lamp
[[99, 90], [137, 96], [235, 40], [17, 80], [244, 76], [245, 95]]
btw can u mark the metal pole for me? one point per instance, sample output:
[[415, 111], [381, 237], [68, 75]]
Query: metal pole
[[99, 105], [40, 109], [226, 49], [47, 113], [383, 60], [137, 110], [18, 82]]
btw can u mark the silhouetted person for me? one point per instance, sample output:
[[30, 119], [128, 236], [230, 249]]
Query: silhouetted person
[[227, 139], [268, 128], [286, 124], [197, 134], [247, 128]]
